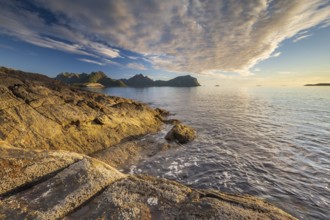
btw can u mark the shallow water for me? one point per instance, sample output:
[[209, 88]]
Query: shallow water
[[270, 142]]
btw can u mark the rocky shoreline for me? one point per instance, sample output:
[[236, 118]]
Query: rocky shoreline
[[61, 149]]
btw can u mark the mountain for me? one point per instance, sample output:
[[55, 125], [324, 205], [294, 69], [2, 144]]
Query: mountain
[[108, 82], [318, 84], [180, 81], [138, 80], [93, 77]]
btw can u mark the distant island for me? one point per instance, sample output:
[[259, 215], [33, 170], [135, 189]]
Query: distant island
[[101, 79], [318, 84]]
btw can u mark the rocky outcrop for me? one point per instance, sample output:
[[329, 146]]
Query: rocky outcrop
[[39, 112], [181, 133], [80, 187]]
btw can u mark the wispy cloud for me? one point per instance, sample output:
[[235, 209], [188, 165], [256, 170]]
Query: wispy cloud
[[28, 26], [137, 66], [132, 57], [6, 47], [177, 35], [277, 54], [299, 38], [91, 61], [111, 62]]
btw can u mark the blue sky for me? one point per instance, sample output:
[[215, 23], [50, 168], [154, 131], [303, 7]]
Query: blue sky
[[228, 42]]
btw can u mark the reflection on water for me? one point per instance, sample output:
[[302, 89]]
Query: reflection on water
[[273, 143]]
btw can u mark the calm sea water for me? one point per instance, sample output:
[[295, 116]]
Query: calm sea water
[[270, 142]]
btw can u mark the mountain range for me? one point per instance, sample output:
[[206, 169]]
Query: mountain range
[[318, 84], [138, 80]]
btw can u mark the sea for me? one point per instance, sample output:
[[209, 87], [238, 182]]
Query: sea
[[273, 143]]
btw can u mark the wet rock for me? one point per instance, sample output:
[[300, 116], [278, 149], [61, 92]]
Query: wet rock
[[181, 133], [162, 112], [129, 153], [172, 121]]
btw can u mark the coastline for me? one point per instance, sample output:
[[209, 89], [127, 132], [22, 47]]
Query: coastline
[[46, 155]]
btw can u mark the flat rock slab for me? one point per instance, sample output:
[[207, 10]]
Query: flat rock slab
[[82, 187], [145, 197], [20, 167], [57, 196]]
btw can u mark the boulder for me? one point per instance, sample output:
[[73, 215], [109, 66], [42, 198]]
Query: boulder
[[181, 133]]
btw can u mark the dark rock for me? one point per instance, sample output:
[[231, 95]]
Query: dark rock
[[172, 121], [102, 120], [162, 112]]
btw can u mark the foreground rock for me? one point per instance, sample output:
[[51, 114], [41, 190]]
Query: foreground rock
[[38, 112], [80, 187], [181, 133]]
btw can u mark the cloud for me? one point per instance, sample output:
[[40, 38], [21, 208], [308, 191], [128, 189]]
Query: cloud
[[277, 54], [6, 47], [91, 61], [132, 57], [111, 62], [28, 26], [177, 35], [299, 38], [137, 66]]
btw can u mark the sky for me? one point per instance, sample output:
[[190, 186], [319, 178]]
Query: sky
[[227, 42]]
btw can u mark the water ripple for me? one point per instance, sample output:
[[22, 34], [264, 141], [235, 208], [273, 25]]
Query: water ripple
[[272, 143]]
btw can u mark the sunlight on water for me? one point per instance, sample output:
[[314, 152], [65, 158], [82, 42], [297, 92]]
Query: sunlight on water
[[272, 143]]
